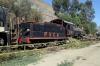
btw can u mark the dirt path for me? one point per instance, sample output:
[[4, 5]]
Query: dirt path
[[89, 56]]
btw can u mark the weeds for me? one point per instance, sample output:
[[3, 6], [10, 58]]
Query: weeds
[[20, 59], [76, 44], [65, 63], [24, 58], [55, 49]]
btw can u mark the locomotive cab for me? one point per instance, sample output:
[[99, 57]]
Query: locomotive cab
[[69, 28], [73, 30]]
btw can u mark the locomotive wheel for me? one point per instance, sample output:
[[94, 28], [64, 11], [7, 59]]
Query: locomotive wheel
[[81, 38]]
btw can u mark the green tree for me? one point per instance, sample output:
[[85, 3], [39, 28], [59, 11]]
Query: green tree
[[11, 6], [25, 6], [34, 14], [7, 3], [93, 27], [66, 17], [21, 8], [89, 10], [81, 14], [75, 6], [61, 5]]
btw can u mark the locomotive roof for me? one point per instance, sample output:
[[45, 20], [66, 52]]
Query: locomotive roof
[[68, 22], [60, 20]]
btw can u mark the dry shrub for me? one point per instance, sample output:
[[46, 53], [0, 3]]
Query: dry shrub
[[74, 44], [53, 49], [65, 63]]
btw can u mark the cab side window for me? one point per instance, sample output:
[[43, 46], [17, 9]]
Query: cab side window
[[68, 26]]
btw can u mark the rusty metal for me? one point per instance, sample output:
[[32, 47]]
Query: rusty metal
[[11, 25]]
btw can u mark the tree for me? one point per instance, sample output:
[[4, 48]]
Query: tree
[[66, 17], [25, 6], [93, 27], [81, 14], [89, 10], [34, 14], [7, 3], [61, 5], [21, 8], [18, 8], [75, 6], [11, 6]]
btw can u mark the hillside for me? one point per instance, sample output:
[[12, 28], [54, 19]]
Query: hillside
[[45, 8]]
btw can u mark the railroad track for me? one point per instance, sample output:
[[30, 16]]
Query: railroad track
[[31, 47], [12, 48]]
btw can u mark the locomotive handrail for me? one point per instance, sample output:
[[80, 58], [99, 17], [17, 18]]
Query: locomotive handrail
[[34, 19], [35, 15], [11, 26]]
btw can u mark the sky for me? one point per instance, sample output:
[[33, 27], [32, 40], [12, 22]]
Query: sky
[[96, 6]]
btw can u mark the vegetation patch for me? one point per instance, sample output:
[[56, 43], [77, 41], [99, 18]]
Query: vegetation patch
[[65, 63], [19, 59], [98, 46], [76, 44], [31, 56], [55, 49]]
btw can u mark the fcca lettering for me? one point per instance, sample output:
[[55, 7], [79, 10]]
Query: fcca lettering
[[50, 34]]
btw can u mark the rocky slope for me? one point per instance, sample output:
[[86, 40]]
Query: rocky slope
[[45, 8]]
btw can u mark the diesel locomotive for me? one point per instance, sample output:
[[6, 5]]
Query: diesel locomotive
[[13, 32], [27, 32]]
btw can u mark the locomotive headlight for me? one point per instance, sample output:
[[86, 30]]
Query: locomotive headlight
[[28, 30]]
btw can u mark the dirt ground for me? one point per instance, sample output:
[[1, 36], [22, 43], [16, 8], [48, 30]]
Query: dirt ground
[[89, 56]]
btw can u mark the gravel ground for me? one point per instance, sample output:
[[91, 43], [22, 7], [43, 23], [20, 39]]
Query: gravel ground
[[88, 56]]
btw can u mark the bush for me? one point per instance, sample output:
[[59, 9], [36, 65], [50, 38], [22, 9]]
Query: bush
[[66, 64], [75, 44], [35, 14]]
